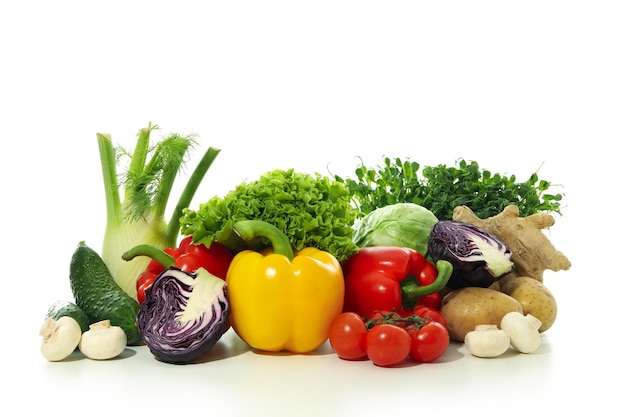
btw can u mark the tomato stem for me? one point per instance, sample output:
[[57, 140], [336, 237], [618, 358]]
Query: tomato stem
[[412, 321]]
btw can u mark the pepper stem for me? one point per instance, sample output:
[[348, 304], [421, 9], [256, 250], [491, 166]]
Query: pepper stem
[[148, 250], [412, 291], [250, 229]]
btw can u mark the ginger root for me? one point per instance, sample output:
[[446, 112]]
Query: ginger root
[[532, 251]]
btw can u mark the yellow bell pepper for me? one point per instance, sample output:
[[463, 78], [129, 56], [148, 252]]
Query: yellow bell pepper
[[283, 300]]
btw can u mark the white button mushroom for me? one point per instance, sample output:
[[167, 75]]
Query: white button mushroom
[[60, 338], [103, 341], [487, 341], [523, 331]]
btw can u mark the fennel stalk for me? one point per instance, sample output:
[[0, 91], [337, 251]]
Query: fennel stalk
[[139, 218]]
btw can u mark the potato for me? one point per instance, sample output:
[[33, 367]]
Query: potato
[[534, 297], [467, 307]]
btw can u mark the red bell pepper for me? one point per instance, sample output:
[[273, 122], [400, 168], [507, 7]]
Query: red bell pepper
[[187, 257], [389, 278]]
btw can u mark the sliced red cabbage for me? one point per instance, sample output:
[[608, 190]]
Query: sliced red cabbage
[[478, 257], [184, 315]]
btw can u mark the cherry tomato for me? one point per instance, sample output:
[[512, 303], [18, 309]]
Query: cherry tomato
[[387, 345], [428, 342], [427, 312], [347, 336]]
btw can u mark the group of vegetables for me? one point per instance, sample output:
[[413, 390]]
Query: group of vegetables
[[379, 266]]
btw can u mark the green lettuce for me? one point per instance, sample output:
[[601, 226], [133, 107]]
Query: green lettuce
[[311, 209]]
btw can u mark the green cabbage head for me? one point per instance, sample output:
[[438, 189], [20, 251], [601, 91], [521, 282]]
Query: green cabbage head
[[401, 224]]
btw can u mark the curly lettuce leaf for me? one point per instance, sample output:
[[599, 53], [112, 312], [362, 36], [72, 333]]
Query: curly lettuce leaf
[[311, 210]]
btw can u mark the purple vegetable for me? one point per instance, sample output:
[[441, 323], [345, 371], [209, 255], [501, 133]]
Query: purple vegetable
[[184, 315], [478, 257]]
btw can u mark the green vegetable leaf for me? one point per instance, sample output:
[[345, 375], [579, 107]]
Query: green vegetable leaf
[[311, 210], [440, 188]]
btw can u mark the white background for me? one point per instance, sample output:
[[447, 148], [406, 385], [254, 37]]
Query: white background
[[314, 85]]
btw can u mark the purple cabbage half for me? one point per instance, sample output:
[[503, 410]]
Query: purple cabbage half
[[478, 257], [184, 315]]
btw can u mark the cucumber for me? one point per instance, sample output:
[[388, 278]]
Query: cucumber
[[99, 296], [66, 308]]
